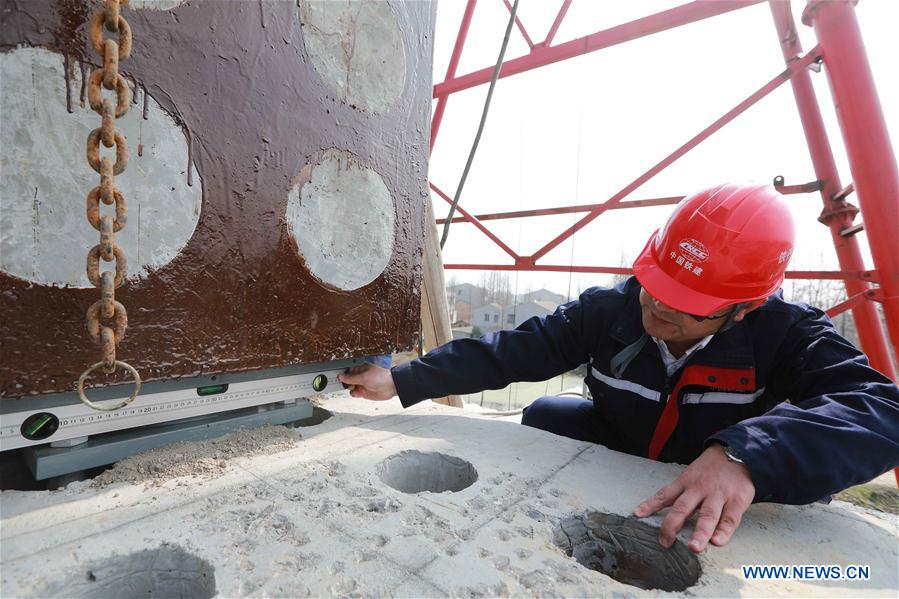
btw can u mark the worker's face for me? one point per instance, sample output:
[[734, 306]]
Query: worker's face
[[666, 323]]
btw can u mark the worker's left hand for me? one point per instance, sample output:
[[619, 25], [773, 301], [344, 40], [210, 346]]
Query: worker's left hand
[[720, 489]]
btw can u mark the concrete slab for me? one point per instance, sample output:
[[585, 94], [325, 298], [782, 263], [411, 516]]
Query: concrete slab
[[317, 520]]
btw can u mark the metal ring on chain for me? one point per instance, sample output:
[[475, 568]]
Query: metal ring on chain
[[94, 98], [96, 34], [93, 151], [104, 408], [93, 210]]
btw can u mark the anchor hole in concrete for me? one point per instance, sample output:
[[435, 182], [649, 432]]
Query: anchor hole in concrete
[[416, 471], [166, 571], [627, 550], [319, 415]]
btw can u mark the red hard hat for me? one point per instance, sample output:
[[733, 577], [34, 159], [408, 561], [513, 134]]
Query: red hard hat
[[721, 246]]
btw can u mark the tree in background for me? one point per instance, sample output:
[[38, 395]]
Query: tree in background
[[499, 288], [623, 263], [823, 294]]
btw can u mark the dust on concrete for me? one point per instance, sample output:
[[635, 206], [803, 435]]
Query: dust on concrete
[[205, 459]]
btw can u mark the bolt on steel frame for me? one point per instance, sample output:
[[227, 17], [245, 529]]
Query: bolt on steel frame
[[872, 162]]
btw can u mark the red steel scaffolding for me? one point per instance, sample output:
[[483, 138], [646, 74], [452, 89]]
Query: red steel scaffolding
[[872, 162]]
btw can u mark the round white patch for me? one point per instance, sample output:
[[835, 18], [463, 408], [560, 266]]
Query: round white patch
[[342, 220], [44, 233], [356, 48]]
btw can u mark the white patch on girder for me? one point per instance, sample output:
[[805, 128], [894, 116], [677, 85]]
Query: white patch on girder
[[342, 220], [44, 233], [357, 49]]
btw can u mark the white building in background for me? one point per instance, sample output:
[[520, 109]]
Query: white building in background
[[462, 299], [517, 314], [488, 318], [463, 332], [542, 295], [493, 317]]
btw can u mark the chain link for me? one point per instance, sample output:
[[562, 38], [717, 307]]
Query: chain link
[[108, 337], [93, 151], [123, 94], [93, 209]]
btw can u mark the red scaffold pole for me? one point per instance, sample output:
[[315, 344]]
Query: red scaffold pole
[[871, 158], [451, 69], [837, 213]]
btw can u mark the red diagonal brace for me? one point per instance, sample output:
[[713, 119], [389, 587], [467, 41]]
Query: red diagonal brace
[[473, 220], [870, 294], [692, 143], [555, 26], [543, 55], [520, 25]]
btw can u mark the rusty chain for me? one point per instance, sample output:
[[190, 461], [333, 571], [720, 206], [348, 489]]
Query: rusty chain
[[108, 337]]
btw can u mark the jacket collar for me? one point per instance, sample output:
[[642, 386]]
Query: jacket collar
[[731, 349], [628, 327]]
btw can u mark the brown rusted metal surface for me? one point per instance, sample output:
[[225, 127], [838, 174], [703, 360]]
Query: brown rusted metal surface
[[254, 113]]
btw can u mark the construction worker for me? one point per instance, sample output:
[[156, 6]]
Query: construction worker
[[698, 360]]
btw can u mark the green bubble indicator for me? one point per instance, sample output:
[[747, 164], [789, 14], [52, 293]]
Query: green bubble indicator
[[39, 426], [211, 390]]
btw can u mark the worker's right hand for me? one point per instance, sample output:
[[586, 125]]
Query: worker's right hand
[[369, 381]]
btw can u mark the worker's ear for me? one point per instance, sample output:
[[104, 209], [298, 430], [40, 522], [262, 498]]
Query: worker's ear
[[746, 308]]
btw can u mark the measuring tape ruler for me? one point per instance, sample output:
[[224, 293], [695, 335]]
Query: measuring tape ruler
[[35, 427]]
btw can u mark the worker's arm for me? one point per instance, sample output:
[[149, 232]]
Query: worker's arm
[[840, 428], [538, 349]]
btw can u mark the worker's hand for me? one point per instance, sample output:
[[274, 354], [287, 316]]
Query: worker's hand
[[720, 489], [369, 381]]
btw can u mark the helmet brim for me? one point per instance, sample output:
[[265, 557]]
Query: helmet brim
[[671, 292]]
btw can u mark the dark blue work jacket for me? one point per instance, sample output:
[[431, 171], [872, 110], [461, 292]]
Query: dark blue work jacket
[[794, 400]]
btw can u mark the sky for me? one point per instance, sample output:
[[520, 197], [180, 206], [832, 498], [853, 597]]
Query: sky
[[578, 131]]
